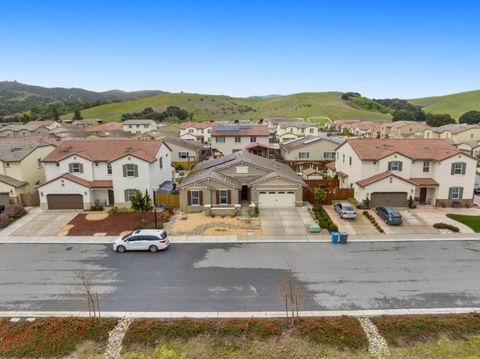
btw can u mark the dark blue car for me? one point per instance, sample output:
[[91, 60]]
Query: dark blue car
[[390, 215]]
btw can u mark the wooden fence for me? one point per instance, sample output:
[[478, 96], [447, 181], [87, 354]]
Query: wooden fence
[[327, 184], [336, 194], [31, 199], [168, 199]]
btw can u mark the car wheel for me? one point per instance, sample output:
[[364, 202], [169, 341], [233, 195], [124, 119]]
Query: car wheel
[[153, 249], [120, 249]]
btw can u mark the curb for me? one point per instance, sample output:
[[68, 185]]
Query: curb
[[266, 314]]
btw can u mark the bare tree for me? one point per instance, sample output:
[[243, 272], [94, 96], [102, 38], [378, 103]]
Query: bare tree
[[293, 294], [93, 303]]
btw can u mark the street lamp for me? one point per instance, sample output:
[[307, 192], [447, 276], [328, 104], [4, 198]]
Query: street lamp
[[155, 206]]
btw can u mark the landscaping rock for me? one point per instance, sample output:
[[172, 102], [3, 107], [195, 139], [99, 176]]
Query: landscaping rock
[[377, 345], [115, 339]]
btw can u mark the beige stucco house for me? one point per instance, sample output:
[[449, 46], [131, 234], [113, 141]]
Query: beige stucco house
[[139, 126], [21, 167], [233, 138], [222, 185], [403, 129], [196, 131], [185, 153], [24, 130], [390, 171]]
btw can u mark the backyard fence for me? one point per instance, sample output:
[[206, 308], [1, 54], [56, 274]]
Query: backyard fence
[[335, 194], [168, 199], [30, 199]]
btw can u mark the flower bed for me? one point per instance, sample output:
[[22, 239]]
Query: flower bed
[[446, 226], [373, 221], [50, 337], [324, 220], [11, 213]]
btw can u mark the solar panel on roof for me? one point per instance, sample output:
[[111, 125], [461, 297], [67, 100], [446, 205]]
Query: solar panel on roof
[[224, 128]]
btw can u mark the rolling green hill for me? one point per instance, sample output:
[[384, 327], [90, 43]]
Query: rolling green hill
[[216, 107], [455, 104]]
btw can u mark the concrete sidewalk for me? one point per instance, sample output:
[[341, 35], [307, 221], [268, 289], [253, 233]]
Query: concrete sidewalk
[[307, 238]]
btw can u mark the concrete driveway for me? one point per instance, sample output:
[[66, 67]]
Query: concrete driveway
[[44, 223], [433, 215], [359, 225], [282, 221]]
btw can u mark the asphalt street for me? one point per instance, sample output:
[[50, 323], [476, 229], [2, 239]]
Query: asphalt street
[[242, 277]]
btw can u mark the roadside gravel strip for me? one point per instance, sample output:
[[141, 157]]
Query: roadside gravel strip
[[377, 345], [115, 339]]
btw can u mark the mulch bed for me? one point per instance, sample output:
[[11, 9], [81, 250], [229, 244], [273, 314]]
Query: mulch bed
[[113, 225]]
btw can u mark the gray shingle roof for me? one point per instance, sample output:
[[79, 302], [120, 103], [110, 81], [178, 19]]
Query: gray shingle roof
[[12, 151], [303, 141], [195, 146], [12, 181]]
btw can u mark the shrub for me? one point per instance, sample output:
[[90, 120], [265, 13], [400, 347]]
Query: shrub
[[96, 207], [352, 201], [15, 211], [5, 220], [446, 226]]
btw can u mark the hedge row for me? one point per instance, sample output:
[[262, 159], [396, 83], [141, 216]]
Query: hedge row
[[50, 337], [341, 332]]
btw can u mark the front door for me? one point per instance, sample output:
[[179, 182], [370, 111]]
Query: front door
[[111, 199], [423, 195], [244, 194]]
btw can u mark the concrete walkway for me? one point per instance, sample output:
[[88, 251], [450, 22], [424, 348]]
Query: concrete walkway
[[306, 238]]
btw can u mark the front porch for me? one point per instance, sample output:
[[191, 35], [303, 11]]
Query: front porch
[[425, 195]]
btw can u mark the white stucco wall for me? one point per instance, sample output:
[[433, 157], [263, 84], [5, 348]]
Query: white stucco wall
[[63, 186]]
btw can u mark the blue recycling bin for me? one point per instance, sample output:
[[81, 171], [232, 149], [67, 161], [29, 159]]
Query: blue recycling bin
[[335, 237]]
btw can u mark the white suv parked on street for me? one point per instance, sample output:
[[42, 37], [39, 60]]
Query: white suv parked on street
[[151, 240]]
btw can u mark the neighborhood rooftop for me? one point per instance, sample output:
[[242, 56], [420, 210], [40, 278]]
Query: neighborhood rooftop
[[299, 124], [240, 130], [105, 150], [11, 151], [303, 141], [416, 149], [140, 121]]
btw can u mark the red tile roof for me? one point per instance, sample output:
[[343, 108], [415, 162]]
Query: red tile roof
[[109, 126], [82, 182], [424, 181], [375, 178], [197, 125], [415, 149], [105, 150], [331, 165]]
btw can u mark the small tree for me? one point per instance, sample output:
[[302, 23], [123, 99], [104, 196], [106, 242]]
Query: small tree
[[77, 115], [320, 194]]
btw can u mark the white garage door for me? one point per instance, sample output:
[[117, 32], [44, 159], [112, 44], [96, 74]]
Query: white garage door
[[271, 199]]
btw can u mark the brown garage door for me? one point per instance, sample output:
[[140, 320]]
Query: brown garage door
[[65, 201], [395, 199]]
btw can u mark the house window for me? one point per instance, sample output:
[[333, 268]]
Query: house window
[[455, 192], [426, 166], [129, 194], [39, 162], [458, 168], [220, 139], [350, 160], [183, 155], [145, 126], [329, 155], [343, 158], [223, 196], [129, 126], [138, 126], [130, 170], [395, 166], [312, 130], [304, 155], [160, 162], [253, 138], [472, 135], [76, 168], [109, 168], [195, 198], [238, 139], [190, 130]]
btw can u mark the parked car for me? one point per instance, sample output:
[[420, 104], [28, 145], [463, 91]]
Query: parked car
[[390, 215], [476, 187], [151, 240], [345, 210]]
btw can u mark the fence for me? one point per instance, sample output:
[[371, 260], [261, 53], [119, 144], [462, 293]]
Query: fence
[[335, 194], [327, 184], [31, 199], [168, 199]]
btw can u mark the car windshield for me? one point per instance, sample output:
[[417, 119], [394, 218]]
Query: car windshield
[[347, 207], [127, 235]]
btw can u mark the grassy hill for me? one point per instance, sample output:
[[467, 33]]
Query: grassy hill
[[455, 104], [216, 107]]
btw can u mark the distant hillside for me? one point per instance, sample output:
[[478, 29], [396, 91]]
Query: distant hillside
[[16, 97], [216, 107], [455, 104]]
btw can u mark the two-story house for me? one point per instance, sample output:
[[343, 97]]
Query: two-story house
[[84, 172], [310, 151], [403, 129], [197, 131], [24, 130], [366, 129], [139, 126], [21, 167], [390, 171], [233, 138], [465, 137], [185, 154], [287, 131]]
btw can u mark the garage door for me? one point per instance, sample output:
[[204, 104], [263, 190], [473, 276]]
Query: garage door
[[395, 199], [271, 199], [4, 198], [65, 201]]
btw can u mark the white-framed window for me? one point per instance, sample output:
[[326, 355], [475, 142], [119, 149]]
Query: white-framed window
[[195, 197], [395, 166], [130, 170], [238, 139], [183, 155], [160, 162], [329, 155], [223, 196], [190, 130], [130, 193], [312, 130], [129, 126], [253, 139], [145, 126], [109, 168], [76, 168], [220, 139], [426, 166], [455, 193], [304, 155], [457, 168]]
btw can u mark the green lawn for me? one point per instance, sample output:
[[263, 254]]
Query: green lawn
[[454, 104], [216, 107], [471, 221]]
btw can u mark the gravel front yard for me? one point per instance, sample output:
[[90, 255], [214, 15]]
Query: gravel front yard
[[199, 223]]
